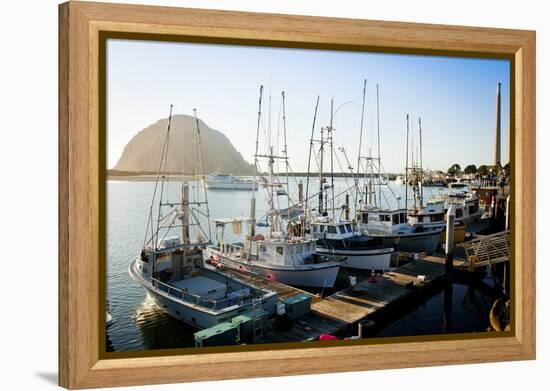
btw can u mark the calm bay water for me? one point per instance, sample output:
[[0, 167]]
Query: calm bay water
[[140, 324]]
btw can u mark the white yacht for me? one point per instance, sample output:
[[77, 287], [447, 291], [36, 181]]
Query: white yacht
[[172, 270], [228, 182]]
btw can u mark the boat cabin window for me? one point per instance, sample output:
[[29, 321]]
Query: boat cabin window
[[342, 229], [331, 229], [263, 248], [436, 217], [279, 250], [472, 209], [364, 217], [459, 213], [384, 217], [348, 228], [402, 217], [395, 218]]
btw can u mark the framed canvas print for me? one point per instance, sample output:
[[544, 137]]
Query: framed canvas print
[[276, 194]]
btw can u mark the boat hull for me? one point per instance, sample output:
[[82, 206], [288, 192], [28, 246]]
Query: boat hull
[[364, 259], [418, 242], [311, 276], [195, 315]]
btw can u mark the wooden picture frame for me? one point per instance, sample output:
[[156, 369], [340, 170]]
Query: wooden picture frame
[[82, 153]]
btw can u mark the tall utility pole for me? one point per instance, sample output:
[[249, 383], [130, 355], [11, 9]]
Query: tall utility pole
[[497, 129]]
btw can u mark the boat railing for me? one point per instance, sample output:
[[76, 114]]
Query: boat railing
[[198, 300], [231, 249]]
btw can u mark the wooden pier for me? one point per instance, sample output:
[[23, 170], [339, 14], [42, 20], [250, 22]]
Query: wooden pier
[[371, 295], [372, 298]]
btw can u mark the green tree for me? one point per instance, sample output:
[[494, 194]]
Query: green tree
[[454, 170], [483, 170], [470, 169]]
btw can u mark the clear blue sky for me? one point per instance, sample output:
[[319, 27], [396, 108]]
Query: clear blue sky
[[454, 96]]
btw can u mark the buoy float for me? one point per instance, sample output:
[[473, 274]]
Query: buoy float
[[327, 337], [372, 278]]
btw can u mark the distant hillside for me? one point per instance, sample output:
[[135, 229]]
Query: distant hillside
[[142, 153]]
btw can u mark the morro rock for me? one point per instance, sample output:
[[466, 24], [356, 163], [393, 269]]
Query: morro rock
[[142, 153]]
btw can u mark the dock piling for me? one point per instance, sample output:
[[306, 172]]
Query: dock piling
[[450, 240], [507, 223]]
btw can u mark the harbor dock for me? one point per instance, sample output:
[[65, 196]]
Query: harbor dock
[[374, 299]]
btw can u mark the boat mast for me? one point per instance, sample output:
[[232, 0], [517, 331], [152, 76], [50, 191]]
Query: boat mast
[[407, 166], [162, 171], [379, 159], [271, 208], [421, 167], [330, 139], [358, 192], [321, 185], [253, 199], [285, 151], [310, 150], [203, 177]]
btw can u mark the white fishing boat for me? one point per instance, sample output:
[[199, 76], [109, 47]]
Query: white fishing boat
[[466, 202], [338, 235], [392, 227], [389, 223], [221, 181], [277, 255], [172, 270], [343, 238]]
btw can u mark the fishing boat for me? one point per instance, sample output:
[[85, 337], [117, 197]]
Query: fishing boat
[[392, 227], [219, 181], [381, 221], [466, 202], [362, 251], [338, 235], [172, 270], [277, 254]]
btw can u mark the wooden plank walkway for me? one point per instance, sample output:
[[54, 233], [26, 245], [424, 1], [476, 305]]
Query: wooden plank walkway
[[354, 304]]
